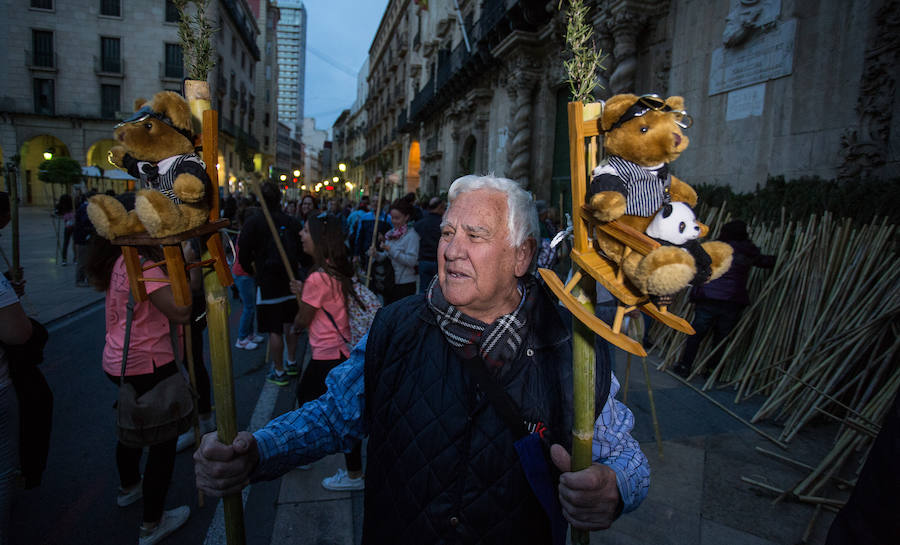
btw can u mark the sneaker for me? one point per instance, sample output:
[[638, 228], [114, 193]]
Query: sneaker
[[342, 481], [64, 263], [246, 344], [276, 378], [291, 368], [124, 499], [171, 520], [257, 338], [186, 439]]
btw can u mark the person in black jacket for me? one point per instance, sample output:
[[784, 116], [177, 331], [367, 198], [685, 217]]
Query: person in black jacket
[[429, 229], [465, 394], [720, 303], [276, 306]]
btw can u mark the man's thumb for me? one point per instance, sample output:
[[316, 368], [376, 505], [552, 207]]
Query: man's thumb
[[561, 458], [241, 443]]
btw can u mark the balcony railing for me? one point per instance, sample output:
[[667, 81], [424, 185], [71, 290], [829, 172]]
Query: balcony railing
[[41, 60], [229, 128], [107, 66], [422, 98]]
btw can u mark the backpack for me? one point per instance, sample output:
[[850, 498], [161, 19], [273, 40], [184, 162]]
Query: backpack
[[361, 317], [361, 312]]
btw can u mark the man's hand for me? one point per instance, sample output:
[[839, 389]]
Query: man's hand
[[296, 287], [225, 469], [590, 497]]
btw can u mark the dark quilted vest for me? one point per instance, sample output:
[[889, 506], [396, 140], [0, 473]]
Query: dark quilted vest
[[441, 464]]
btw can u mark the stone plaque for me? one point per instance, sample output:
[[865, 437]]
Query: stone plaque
[[766, 56], [746, 102]]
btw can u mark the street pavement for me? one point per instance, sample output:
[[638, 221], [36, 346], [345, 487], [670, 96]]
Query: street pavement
[[696, 495]]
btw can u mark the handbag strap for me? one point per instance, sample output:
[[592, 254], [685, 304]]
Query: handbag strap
[[499, 398], [128, 318]]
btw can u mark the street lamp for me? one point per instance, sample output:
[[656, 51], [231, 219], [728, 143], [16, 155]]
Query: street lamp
[[296, 173], [48, 154], [283, 177], [342, 167], [335, 179]]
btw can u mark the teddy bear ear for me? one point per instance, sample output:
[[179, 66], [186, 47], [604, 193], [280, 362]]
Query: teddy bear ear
[[173, 106], [615, 107], [139, 103], [675, 102]]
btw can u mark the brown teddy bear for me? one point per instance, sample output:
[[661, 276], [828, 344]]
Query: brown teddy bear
[[641, 136], [156, 145]]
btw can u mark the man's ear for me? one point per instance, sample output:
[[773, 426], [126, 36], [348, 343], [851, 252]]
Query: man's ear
[[524, 256]]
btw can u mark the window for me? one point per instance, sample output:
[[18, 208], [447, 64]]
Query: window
[[174, 61], [113, 8], [42, 46], [172, 15], [42, 4], [44, 100], [266, 119], [110, 55], [110, 101]]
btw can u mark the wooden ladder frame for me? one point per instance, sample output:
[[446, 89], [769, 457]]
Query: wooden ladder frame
[[585, 145]]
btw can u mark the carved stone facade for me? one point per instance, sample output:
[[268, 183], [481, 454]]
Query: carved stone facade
[[775, 88]]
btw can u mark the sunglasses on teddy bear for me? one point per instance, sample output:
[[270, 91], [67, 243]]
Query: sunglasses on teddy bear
[[652, 103], [147, 112]]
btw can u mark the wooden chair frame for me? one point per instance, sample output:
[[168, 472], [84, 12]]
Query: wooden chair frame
[[585, 146]]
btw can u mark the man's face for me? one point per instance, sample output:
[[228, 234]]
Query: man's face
[[477, 267]]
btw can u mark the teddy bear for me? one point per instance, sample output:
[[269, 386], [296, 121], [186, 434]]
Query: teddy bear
[[642, 135], [156, 145]]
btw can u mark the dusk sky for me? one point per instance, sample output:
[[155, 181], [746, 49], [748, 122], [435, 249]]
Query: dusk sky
[[338, 38]]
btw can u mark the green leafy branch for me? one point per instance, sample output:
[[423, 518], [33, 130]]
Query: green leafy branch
[[586, 59], [195, 34]]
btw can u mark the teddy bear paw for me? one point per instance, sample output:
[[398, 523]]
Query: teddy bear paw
[[607, 205], [665, 270], [158, 213], [189, 188], [110, 218], [721, 255]]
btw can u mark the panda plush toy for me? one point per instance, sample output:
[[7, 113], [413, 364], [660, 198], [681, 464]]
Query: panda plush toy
[[676, 225]]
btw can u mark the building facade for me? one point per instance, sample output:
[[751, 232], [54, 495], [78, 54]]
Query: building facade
[[775, 87], [291, 38], [81, 64]]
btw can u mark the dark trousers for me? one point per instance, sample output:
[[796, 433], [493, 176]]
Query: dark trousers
[[312, 385], [720, 317], [67, 236], [161, 458]]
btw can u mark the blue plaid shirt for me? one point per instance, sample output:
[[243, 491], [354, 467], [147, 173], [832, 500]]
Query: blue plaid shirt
[[334, 423]]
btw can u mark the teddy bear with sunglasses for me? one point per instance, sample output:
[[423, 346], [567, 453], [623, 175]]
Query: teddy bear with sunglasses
[[156, 145], [641, 136]]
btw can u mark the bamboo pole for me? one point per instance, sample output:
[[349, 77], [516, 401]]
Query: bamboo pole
[[274, 231], [217, 313], [374, 242], [584, 379], [13, 183]]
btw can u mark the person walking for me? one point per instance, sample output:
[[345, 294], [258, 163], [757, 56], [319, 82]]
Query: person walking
[[720, 303], [325, 297], [276, 306], [401, 247], [81, 236], [429, 230], [246, 286], [15, 329], [150, 360], [66, 211]]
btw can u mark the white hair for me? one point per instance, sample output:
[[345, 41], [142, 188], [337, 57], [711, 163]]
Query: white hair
[[521, 218]]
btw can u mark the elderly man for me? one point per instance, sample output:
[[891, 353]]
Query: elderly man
[[444, 463]]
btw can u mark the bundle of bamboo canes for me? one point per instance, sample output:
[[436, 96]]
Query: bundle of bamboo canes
[[820, 339]]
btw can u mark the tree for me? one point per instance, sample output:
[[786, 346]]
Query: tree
[[60, 170]]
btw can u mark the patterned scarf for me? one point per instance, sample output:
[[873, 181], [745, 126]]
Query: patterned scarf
[[396, 233], [497, 343]]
